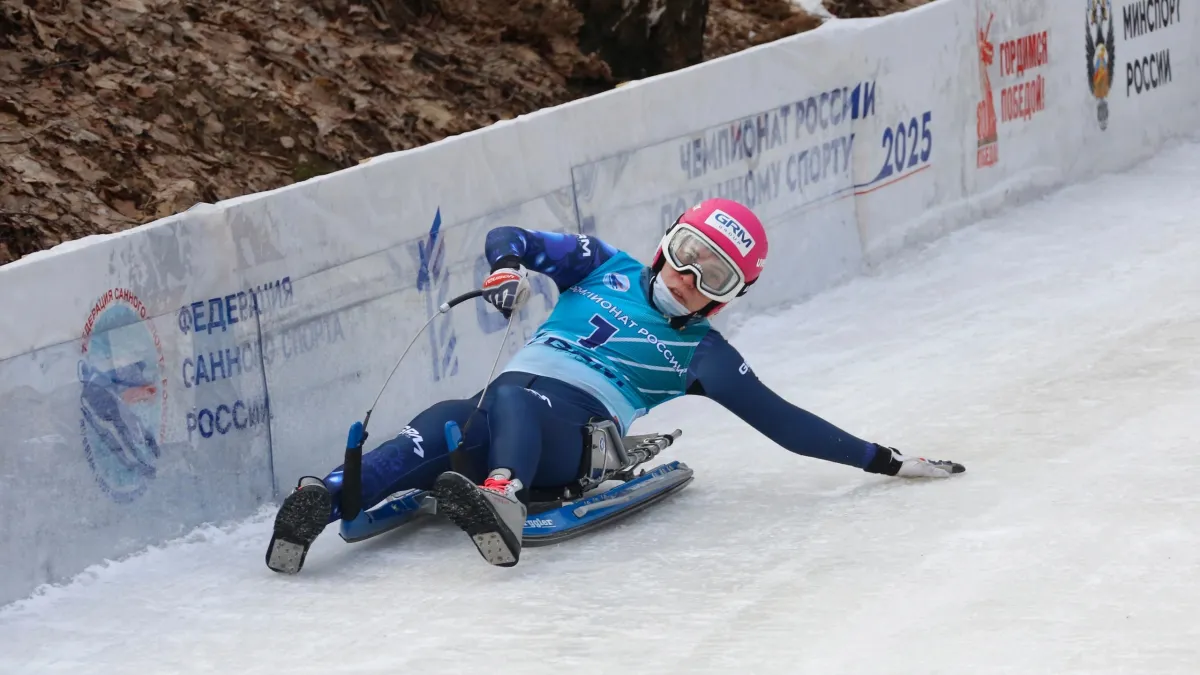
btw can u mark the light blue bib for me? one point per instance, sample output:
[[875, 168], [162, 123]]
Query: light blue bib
[[606, 338]]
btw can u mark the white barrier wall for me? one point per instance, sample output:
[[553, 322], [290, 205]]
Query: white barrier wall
[[190, 370]]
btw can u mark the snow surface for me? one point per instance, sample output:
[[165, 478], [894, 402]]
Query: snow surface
[[1055, 351], [814, 7]]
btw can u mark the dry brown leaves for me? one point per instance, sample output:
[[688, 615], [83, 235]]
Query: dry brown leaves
[[734, 25], [118, 112], [854, 9]]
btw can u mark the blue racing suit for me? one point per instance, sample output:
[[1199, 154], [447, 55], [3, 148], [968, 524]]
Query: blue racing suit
[[604, 352]]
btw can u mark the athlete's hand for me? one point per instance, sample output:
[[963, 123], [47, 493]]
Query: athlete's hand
[[507, 289]]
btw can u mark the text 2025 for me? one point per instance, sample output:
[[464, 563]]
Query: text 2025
[[906, 145]]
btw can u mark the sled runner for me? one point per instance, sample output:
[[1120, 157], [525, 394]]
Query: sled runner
[[610, 487]]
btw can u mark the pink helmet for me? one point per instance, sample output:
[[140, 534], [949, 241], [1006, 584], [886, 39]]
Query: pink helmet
[[720, 241]]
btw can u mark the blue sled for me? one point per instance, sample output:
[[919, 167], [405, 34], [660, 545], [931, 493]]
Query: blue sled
[[547, 522]]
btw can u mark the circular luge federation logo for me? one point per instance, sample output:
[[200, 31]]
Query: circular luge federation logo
[[123, 400]]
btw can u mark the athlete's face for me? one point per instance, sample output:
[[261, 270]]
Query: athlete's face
[[683, 287]]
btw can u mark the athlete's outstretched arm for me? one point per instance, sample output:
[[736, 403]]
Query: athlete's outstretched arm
[[565, 258], [720, 373]]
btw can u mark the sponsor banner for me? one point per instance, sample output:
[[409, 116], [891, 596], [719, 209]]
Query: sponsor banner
[[907, 162], [1150, 28], [1140, 60], [1012, 80], [795, 152], [1059, 98], [1014, 49], [112, 449]]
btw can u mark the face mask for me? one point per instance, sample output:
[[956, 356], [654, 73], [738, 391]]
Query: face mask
[[664, 300]]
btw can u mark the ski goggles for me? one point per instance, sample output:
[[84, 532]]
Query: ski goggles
[[717, 276]]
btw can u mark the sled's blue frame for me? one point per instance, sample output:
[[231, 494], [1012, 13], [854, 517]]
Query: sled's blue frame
[[547, 523]]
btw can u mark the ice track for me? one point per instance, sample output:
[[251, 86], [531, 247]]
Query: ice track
[[1055, 351]]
